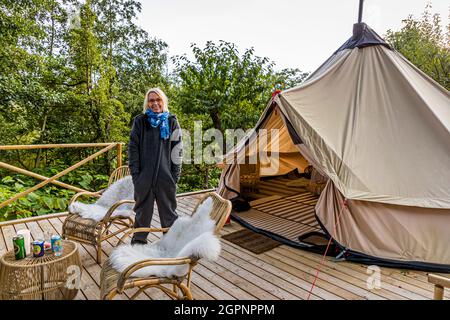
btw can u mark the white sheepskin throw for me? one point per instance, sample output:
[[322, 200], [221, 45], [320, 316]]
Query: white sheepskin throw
[[188, 237], [122, 189]]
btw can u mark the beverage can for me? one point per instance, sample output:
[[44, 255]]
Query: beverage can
[[57, 244], [19, 247], [38, 248]]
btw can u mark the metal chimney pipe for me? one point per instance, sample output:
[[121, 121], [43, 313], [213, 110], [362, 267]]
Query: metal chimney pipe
[[360, 13]]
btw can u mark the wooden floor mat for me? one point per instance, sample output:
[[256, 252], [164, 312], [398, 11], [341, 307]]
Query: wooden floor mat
[[288, 229], [290, 216], [254, 242]]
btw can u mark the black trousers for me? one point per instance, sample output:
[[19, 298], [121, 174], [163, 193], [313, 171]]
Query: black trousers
[[165, 197]]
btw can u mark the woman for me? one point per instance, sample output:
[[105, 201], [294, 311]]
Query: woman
[[154, 155]]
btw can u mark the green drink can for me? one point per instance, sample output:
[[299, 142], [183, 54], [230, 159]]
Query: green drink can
[[19, 247]]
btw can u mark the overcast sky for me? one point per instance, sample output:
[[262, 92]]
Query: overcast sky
[[294, 34]]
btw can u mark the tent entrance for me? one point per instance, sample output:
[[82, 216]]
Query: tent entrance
[[284, 209], [270, 171]]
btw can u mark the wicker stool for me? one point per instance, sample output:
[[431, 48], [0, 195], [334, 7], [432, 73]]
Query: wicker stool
[[45, 278]]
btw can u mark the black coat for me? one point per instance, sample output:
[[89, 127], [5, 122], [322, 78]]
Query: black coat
[[150, 158]]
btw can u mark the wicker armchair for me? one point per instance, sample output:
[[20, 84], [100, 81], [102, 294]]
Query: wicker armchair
[[92, 232], [113, 282]]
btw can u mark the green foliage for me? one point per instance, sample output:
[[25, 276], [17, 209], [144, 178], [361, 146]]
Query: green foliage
[[425, 44], [49, 199], [65, 79], [71, 79], [224, 90], [198, 177], [222, 84]]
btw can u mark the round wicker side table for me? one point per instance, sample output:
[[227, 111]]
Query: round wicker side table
[[44, 278]]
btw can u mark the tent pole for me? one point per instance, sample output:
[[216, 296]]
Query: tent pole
[[361, 4]]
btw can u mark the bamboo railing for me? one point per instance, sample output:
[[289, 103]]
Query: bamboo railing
[[53, 179]]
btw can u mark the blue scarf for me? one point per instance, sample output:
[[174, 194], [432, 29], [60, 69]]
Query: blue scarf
[[161, 120]]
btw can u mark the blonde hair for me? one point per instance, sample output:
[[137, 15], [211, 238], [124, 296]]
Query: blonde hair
[[161, 94]]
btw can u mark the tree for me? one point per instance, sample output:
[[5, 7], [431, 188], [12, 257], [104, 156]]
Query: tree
[[425, 44], [27, 88], [231, 89], [62, 81], [138, 60], [225, 90]]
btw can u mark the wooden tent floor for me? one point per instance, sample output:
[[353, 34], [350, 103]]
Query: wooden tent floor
[[281, 273], [289, 217], [276, 186], [282, 210]]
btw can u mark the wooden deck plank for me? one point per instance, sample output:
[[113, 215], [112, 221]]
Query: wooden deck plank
[[201, 294], [234, 277], [399, 290], [88, 261], [281, 273], [417, 283], [342, 280], [216, 292], [241, 268], [386, 272], [153, 294], [324, 281], [199, 283], [267, 280], [87, 285], [360, 278], [19, 226], [261, 261], [36, 231], [221, 282], [392, 279], [106, 250], [8, 235], [276, 273], [304, 273], [184, 208], [216, 277]]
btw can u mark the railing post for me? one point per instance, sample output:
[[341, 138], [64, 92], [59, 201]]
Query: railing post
[[56, 176], [438, 292], [119, 155]]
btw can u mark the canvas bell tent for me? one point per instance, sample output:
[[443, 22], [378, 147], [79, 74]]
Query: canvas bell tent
[[378, 129]]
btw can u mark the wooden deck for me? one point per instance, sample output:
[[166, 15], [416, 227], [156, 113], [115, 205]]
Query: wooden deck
[[281, 273]]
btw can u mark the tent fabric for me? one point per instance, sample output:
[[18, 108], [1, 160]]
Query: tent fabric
[[379, 129], [278, 156], [386, 230], [363, 36], [378, 126]]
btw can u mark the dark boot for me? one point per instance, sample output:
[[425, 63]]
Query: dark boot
[[138, 241]]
